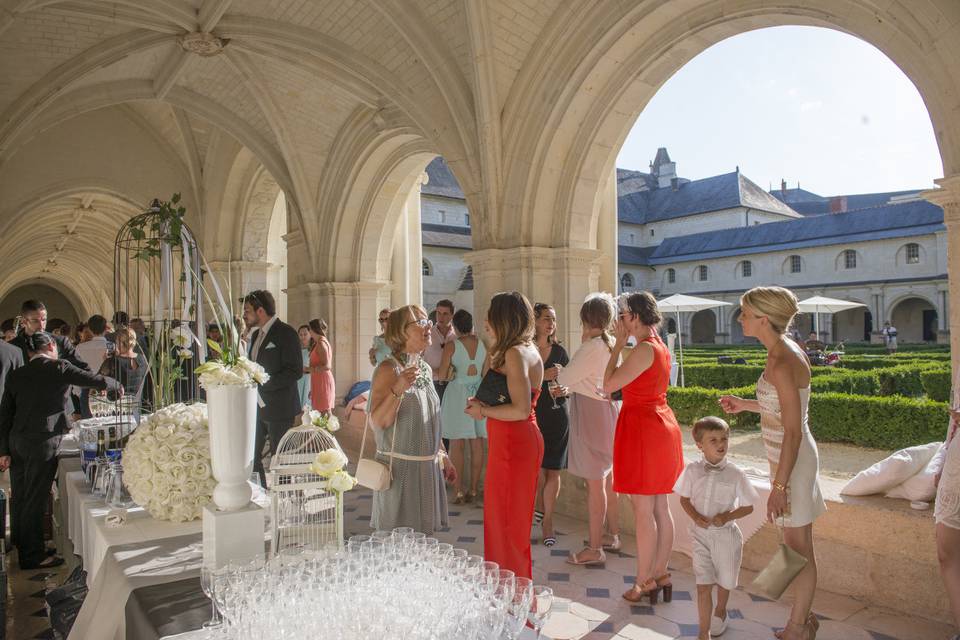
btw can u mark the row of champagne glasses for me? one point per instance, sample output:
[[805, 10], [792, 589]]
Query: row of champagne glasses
[[398, 583]]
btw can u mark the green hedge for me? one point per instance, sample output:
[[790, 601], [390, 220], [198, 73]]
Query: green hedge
[[721, 376], [892, 422], [936, 384], [690, 404]]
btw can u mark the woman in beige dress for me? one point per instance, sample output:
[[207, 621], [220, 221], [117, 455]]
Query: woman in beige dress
[[783, 396]]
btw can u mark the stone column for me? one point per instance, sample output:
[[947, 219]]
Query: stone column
[[608, 238], [407, 262], [560, 277], [722, 335], [350, 309], [943, 316], [948, 197]]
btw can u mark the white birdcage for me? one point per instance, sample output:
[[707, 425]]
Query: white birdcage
[[305, 512]]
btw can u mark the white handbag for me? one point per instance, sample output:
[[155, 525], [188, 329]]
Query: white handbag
[[371, 473]]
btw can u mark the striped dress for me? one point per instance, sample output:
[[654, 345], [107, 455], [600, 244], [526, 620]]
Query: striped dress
[[417, 496], [804, 500]]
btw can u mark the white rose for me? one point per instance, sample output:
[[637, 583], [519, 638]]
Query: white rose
[[342, 481], [333, 424], [327, 462]]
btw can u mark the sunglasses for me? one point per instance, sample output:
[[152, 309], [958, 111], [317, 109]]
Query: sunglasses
[[423, 323], [382, 320]]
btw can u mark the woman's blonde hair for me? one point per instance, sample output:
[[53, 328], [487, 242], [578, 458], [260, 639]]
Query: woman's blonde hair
[[511, 318], [395, 334], [776, 304], [125, 338], [599, 312]]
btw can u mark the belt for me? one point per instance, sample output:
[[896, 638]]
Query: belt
[[437, 457]]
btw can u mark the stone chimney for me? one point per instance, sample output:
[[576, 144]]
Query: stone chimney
[[783, 187], [838, 204]]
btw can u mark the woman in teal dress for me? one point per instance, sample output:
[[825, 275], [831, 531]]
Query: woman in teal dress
[[463, 365], [306, 346], [380, 351]]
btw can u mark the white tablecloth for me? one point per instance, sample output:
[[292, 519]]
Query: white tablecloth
[[87, 528]]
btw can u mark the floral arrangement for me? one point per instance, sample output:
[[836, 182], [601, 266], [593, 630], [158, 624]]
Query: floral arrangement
[[166, 463], [330, 464], [314, 418], [239, 371]]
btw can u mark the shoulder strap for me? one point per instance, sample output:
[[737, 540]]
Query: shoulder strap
[[393, 439]]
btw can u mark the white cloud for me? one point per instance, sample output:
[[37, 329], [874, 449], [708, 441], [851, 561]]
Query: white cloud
[[811, 105], [793, 92]]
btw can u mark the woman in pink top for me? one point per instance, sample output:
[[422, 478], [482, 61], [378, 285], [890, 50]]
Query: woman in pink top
[[322, 388]]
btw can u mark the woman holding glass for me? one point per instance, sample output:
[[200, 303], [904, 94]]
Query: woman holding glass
[[306, 346], [783, 397], [405, 417], [463, 364], [322, 387], [648, 445], [515, 443], [593, 422], [128, 366], [552, 418]]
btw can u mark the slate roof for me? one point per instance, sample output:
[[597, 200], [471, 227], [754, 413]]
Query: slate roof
[[443, 235], [441, 183], [634, 255], [890, 221], [809, 203], [715, 193]]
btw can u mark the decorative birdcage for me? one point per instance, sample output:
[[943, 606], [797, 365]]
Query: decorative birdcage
[[156, 281], [306, 511]]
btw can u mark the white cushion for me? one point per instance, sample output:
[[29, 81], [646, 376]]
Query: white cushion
[[921, 487], [891, 471]]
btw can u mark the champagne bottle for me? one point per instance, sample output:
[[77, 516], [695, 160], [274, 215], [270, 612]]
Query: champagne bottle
[[101, 445]]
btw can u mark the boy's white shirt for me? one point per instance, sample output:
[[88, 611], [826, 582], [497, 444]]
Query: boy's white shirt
[[714, 489]]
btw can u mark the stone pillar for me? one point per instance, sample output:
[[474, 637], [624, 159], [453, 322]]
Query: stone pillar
[[948, 197], [237, 278], [407, 261], [722, 335], [350, 309], [560, 277], [876, 309], [608, 238], [943, 316]]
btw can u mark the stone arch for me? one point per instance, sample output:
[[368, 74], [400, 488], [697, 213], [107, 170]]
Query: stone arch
[[914, 316], [703, 327], [852, 325], [36, 288], [561, 156]]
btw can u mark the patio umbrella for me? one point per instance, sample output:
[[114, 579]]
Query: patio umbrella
[[680, 303], [820, 304]]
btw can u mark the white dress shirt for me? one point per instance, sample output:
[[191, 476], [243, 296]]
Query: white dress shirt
[[261, 336], [93, 352], [714, 489]]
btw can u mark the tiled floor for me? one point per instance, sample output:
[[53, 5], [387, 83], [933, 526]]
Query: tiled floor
[[751, 617]]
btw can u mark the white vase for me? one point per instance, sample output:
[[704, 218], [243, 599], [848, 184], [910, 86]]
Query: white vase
[[232, 416]]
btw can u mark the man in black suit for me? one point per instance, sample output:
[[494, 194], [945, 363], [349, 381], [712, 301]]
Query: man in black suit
[[33, 416], [33, 314], [10, 358], [275, 346]]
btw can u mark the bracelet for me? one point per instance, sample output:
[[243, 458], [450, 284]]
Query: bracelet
[[777, 485], [395, 394]]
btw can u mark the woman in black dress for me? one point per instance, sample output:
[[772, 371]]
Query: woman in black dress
[[552, 418]]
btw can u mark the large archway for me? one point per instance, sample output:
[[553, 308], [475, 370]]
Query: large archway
[[915, 319], [703, 327], [60, 303]]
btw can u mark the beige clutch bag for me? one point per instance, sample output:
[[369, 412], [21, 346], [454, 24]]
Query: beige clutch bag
[[780, 571]]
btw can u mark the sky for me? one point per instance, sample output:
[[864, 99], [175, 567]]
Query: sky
[[803, 104]]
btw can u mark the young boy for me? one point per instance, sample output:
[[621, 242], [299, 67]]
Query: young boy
[[715, 493]]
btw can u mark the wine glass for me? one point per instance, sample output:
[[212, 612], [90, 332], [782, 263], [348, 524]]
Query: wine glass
[[207, 583], [551, 385], [540, 607]]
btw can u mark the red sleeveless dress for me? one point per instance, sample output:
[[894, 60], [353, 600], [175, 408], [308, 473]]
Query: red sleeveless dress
[[515, 450], [648, 446]]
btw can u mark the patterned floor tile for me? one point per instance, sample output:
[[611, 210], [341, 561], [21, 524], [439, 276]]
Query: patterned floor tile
[[689, 630], [595, 592]]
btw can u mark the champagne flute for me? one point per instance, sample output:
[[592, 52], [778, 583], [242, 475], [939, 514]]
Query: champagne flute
[[540, 607], [551, 386], [207, 580]]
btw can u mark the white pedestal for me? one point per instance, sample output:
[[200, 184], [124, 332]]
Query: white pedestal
[[232, 535]]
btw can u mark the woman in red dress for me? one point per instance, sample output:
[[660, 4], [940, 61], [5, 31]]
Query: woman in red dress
[[514, 440], [648, 446], [322, 388]]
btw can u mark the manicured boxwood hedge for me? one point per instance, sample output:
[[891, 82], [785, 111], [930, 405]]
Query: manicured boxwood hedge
[[892, 422], [936, 384]]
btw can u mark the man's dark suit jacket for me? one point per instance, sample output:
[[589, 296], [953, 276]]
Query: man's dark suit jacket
[[10, 358], [64, 349], [34, 407], [282, 359]]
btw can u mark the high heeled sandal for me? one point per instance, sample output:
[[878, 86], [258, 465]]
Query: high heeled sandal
[[794, 631], [574, 558], [646, 589], [460, 498], [812, 621], [614, 544], [666, 585]]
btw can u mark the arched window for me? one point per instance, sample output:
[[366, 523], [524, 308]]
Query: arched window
[[671, 276], [702, 273], [796, 266], [849, 259], [912, 250], [427, 268], [746, 269], [626, 281]]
